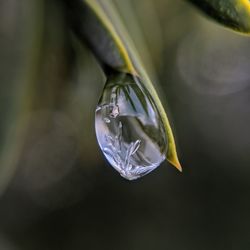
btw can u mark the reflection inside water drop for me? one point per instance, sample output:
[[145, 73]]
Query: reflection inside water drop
[[128, 127]]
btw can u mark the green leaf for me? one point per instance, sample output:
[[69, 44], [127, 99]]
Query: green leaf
[[97, 23], [234, 14]]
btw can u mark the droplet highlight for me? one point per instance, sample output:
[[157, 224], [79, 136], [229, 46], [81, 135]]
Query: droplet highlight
[[128, 127]]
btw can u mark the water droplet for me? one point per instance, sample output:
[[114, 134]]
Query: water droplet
[[134, 140], [106, 120]]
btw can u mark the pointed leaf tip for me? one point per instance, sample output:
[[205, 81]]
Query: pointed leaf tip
[[172, 158], [175, 163]]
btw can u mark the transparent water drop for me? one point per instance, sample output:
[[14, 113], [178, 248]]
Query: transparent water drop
[[128, 127]]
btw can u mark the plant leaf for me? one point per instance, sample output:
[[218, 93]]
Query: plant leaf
[[97, 22], [234, 14]]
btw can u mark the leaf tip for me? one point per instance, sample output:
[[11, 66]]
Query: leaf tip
[[173, 160], [176, 164]]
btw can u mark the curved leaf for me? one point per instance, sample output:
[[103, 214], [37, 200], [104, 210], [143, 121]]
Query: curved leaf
[[234, 14], [96, 22]]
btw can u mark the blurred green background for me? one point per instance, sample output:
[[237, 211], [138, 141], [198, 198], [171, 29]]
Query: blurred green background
[[57, 190]]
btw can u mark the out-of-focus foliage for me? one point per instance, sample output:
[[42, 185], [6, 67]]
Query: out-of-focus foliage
[[62, 195], [234, 14], [19, 46], [44, 110]]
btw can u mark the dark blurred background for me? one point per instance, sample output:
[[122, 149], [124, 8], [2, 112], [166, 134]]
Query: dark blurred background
[[57, 190]]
